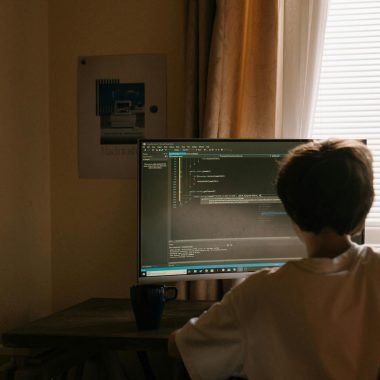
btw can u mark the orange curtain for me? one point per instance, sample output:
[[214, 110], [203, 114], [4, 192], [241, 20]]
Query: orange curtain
[[231, 82], [242, 75]]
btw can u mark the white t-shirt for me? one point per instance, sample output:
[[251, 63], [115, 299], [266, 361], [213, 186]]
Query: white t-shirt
[[316, 318]]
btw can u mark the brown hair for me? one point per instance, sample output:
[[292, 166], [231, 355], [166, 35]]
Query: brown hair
[[327, 184]]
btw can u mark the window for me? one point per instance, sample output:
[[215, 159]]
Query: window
[[348, 101]]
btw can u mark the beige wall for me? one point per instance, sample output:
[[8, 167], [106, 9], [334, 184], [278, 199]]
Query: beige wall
[[94, 221], [65, 239], [25, 267]]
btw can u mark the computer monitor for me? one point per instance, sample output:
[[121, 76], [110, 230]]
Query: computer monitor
[[208, 209]]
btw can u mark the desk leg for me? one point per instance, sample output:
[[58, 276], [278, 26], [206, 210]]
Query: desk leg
[[144, 360]]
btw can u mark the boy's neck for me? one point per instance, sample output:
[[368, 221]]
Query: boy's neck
[[327, 243]]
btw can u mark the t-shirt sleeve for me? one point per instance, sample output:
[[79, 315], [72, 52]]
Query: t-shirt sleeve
[[211, 345]]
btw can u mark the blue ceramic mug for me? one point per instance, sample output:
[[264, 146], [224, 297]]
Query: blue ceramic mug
[[148, 303]]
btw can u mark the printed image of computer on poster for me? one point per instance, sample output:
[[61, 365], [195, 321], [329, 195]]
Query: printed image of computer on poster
[[120, 99]]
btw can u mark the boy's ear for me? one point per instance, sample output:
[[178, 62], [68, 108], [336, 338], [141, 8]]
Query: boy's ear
[[358, 230]]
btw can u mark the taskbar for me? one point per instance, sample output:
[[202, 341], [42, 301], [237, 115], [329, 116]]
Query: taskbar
[[209, 269]]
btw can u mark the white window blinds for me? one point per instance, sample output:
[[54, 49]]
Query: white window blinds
[[348, 101]]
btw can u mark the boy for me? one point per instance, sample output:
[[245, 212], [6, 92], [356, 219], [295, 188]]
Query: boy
[[316, 318]]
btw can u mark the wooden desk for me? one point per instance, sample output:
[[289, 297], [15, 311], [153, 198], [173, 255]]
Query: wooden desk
[[97, 324]]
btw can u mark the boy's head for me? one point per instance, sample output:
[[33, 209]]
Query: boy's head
[[327, 184]]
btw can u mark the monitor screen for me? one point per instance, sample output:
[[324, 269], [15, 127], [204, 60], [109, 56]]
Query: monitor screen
[[209, 209]]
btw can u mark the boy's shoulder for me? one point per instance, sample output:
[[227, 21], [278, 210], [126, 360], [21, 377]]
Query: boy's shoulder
[[263, 279], [370, 253], [294, 272], [372, 250]]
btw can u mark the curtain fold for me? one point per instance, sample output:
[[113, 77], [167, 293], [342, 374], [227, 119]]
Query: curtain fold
[[303, 28], [200, 16], [241, 87], [199, 23]]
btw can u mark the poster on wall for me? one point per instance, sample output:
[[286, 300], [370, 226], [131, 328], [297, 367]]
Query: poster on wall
[[120, 99]]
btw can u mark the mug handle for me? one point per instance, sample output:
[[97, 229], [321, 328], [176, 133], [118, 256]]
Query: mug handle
[[168, 289]]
